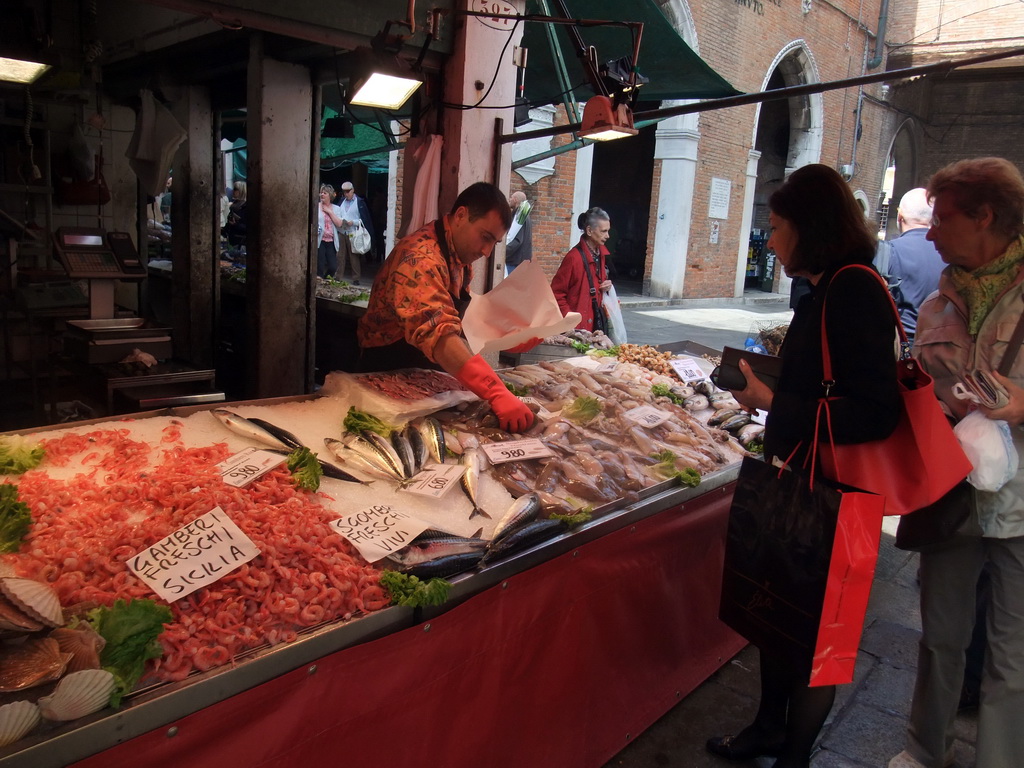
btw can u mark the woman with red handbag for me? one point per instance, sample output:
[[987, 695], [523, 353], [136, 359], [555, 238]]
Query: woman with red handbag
[[817, 228], [973, 322]]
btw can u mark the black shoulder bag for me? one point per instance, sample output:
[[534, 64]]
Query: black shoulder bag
[[600, 323]]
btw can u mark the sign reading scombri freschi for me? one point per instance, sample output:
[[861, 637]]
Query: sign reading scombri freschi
[[379, 531], [195, 555]]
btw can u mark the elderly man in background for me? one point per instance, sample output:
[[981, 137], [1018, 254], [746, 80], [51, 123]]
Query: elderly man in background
[[353, 211], [519, 240], [912, 258]]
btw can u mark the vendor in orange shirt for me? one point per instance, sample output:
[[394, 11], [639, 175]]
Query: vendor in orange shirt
[[414, 317]]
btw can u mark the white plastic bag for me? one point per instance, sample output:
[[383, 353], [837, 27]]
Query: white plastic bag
[[612, 310], [360, 238], [990, 448]]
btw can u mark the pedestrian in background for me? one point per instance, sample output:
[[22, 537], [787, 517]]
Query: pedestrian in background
[[353, 212], [329, 224], [519, 240], [817, 228], [977, 226], [911, 258], [582, 280]]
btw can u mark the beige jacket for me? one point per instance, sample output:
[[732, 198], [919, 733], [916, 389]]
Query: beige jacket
[[944, 348]]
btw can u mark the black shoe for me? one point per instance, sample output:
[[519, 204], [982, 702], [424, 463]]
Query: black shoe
[[744, 746]]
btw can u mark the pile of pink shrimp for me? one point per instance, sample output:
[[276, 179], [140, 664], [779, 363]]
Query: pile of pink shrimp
[[85, 529]]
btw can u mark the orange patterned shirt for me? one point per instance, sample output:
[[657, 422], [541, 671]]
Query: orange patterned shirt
[[411, 299]]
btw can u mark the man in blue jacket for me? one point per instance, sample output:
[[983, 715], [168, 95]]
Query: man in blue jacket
[[912, 259]]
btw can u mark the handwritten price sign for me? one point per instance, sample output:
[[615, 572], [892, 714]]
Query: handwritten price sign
[[435, 480], [687, 369], [245, 466], [198, 554], [516, 450], [647, 416], [379, 530]]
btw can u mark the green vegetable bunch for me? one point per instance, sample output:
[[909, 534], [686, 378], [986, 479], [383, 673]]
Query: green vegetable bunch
[[305, 468], [18, 455], [406, 589], [666, 467], [15, 518], [579, 518], [663, 390], [582, 410], [356, 421], [610, 352], [517, 391], [131, 630], [579, 346]]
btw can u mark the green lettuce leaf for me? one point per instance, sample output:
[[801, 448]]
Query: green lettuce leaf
[[131, 630], [18, 455]]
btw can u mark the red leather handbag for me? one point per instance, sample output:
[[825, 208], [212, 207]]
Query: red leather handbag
[[919, 462]]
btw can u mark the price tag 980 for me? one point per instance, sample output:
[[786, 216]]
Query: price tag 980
[[245, 466], [516, 450]]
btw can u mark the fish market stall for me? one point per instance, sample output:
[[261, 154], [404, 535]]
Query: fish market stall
[[584, 586]]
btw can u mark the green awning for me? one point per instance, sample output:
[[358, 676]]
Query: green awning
[[364, 147], [673, 69]]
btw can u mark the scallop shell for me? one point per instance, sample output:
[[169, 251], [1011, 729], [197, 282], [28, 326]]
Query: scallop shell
[[36, 661], [84, 644], [77, 695], [13, 619], [17, 719], [36, 599]]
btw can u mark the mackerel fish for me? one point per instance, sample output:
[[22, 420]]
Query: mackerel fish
[[248, 428], [473, 460]]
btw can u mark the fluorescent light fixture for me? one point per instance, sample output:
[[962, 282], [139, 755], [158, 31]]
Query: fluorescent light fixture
[[382, 80], [603, 122], [21, 70], [384, 91]]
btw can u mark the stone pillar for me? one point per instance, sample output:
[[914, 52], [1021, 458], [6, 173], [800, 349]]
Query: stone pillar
[[193, 244], [676, 147], [279, 263], [470, 152]]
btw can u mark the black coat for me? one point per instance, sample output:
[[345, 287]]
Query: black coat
[[865, 402]]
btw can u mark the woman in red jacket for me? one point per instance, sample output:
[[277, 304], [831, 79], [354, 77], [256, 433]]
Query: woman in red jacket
[[581, 281]]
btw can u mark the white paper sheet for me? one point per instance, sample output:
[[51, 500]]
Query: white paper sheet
[[520, 308]]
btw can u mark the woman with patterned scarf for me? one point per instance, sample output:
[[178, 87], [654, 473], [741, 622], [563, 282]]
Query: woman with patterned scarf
[[977, 229]]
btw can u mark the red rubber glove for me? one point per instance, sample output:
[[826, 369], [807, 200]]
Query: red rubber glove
[[526, 346], [482, 381]]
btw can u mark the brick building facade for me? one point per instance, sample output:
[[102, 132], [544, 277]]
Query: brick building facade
[[690, 245]]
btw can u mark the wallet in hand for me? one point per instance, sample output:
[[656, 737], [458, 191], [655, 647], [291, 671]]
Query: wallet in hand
[[980, 387], [727, 375]]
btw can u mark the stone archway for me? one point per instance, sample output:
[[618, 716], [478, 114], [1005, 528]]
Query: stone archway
[[676, 149], [902, 171], [787, 135]]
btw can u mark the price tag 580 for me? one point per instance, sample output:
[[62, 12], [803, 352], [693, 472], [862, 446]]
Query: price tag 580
[[245, 466], [516, 450]]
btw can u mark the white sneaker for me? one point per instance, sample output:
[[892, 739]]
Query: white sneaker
[[905, 760]]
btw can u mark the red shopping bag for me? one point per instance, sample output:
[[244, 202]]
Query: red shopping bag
[[799, 562]]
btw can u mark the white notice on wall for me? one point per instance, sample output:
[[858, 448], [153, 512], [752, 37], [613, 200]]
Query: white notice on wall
[[718, 199], [379, 530], [200, 553]]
